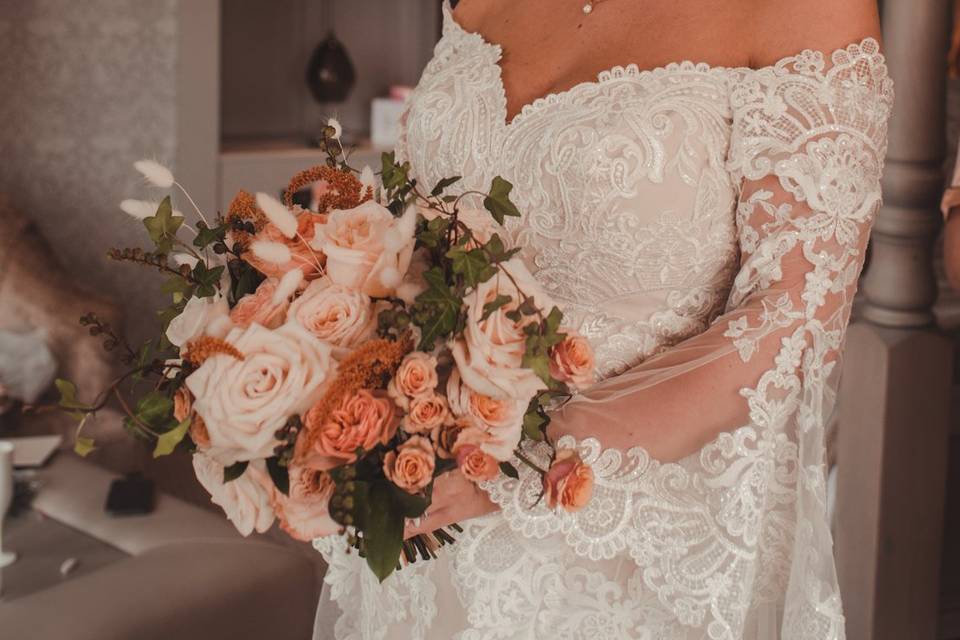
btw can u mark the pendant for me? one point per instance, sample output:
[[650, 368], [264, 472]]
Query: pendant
[[587, 8]]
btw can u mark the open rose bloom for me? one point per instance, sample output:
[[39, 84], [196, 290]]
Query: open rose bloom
[[323, 367]]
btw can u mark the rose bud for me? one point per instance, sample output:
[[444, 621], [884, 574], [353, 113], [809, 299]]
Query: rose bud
[[475, 464], [568, 482], [411, 466], [572, 361]]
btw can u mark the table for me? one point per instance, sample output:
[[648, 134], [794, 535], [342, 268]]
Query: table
[[43, 544]]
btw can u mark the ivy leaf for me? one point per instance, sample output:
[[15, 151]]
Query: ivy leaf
[[84, 446], [535, 421], [156, 410], [68, 396], [443, 184], [383, 535], [163, 226], [436, 310], [234, 471], [509, 470], [167, 442], [473, 265], [392, 174], [207, 236], [536, 359], [497, 251], [207, 279], [279, 474], [495, 304], [498, 201]]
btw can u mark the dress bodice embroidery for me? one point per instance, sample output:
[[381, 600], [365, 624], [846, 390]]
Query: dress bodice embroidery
[[684, 201]]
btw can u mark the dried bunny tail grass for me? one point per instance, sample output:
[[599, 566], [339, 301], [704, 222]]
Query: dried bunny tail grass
[[345, 190], [199, 350], [370, 366], [244, 207]]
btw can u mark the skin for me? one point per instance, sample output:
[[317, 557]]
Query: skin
[[951, 232], [550, 46]]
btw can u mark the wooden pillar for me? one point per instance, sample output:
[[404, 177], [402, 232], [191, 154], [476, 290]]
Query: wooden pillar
[[895, 391]]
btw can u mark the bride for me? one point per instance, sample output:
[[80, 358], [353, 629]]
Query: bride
[[703, 224]]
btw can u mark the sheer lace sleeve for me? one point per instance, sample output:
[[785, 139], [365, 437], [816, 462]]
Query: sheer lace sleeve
[[741, 407]]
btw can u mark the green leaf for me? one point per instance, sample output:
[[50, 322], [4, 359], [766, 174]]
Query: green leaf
[[410, 506], [535, 421], [279, 474], [156, 409], [207, 279], [436, 309], [68, 397], [495, 304], [383, 535], [473, 265], [83, 446], [163, 226], [497, 251], [509, 470], [168, 441], [392, 174], [498, 201], [234, 471], [539, 362], [177, 286], [207, 236], [443, 184]]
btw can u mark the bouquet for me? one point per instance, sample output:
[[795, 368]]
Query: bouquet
[[324, 365]]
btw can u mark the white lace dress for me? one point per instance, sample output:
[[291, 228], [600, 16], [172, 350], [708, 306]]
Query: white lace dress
[[690, 220]]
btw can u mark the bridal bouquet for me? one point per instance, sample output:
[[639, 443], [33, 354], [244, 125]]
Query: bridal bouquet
[[325, 365]]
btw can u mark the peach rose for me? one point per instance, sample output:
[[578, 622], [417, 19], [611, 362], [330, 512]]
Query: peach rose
[[572, 361], [260, 308], [244, 403], [245, 500], [362, 421], [490, 355], [426, 413], [339, 315], [182, 404], [501, 418], [200, 317], [444, 436], [304, 514], [416, 376], [475, 464], [411, 466], [568, 482], [302, 255], [367, 248]]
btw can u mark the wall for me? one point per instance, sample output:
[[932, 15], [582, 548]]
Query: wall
[[87, 88]]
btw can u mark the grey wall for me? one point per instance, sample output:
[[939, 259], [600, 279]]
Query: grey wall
[[86, 88]]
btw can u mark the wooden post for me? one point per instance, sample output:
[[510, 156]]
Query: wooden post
[[895, 392]]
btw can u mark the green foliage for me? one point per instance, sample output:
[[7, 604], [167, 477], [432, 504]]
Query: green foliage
[[234, 471], [509, 470], [493, 305], [83, 446], [168, 441], [207, 280], [535, 420], [541, 337], [498, 201], [383, 529], [163, 226], [244, 279], [436, 309], [207, 236], [432, 234], [472, 265], [443, 184], [280, 474]]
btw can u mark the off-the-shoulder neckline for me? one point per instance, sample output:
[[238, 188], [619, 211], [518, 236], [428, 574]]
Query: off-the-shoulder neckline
[[452, 26]]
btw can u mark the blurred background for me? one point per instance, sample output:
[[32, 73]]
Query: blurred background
[[230, 94]]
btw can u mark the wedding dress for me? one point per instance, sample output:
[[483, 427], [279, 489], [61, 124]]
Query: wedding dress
[[690, 220]]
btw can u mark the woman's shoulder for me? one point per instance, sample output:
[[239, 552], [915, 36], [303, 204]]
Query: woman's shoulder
[[782, 28]]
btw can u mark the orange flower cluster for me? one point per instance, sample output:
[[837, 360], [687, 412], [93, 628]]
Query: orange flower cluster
[[343, 189], [199, 350], [244, 207], [368, 367]]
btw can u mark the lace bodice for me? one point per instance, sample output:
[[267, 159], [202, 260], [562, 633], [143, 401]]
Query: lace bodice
[[690, 219]]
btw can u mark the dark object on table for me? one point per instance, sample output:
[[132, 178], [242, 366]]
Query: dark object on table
[[330, 74], [130, 496]]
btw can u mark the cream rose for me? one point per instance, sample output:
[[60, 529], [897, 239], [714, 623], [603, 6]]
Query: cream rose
[[490, 355], [334, 313], [411, 466], [362, 421], [200, 317], [416, 376], [260, 308], [426, 413], [305, 513], [572, 361], [244, 403], [367, 248], [569, 482], [500, 418], [245, 500]]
